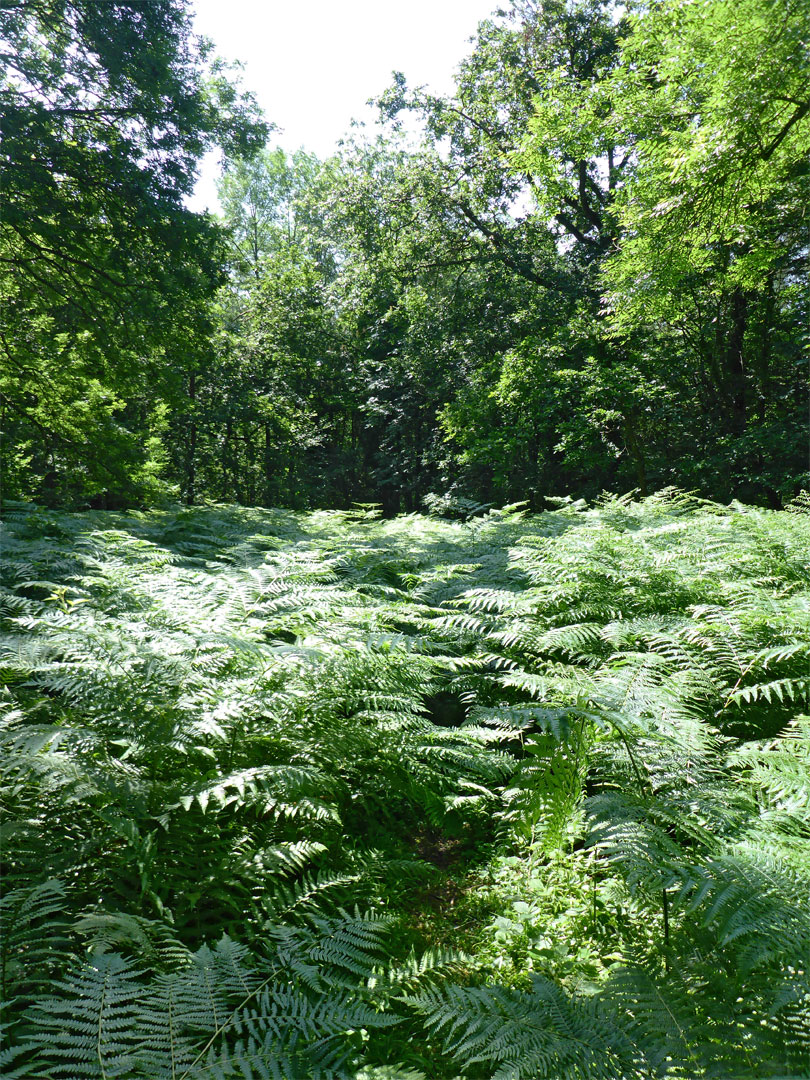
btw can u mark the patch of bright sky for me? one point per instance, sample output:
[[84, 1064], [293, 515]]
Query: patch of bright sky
[[313, 65]]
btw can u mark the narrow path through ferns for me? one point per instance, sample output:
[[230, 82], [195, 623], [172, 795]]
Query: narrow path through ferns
[[324, 795]]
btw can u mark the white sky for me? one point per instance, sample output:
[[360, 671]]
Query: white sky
[[313, 65]]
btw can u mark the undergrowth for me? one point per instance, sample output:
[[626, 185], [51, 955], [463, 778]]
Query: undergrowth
[[324, 795]]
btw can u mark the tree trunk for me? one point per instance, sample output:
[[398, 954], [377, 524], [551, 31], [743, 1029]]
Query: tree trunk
[[226, 452], [268, 466], [250, 472], [636, 449], [191, 461], [735, 360]]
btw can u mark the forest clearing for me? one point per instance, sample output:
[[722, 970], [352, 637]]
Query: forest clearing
[[353, 724]]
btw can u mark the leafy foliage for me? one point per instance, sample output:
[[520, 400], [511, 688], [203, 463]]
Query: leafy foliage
[[105, 273], [583, 269]]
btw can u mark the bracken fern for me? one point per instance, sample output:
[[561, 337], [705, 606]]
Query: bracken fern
[[225, 726]]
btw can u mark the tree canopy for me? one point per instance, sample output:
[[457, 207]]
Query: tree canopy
[[586, 270], [106, 110]]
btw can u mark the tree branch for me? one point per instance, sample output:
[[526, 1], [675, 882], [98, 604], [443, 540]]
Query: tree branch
[[499, 244], [798, 115]]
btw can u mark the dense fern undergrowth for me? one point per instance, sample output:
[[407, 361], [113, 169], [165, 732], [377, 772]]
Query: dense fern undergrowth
[[327, 796]]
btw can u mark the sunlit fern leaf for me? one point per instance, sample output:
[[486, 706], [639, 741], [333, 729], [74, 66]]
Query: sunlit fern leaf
[[782, 690], [349, 944], [282, 789], [780, 769], [543, 795], [418, 971], [509, 1035], [662, 1017], [311, 893], [752, 905]]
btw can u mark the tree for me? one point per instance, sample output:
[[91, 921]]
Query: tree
[[713, 251], [274, 409], [531, 165], [267, 204], [676, 192], [716, 97], [106, 109]]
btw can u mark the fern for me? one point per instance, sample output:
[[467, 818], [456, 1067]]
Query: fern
[[90, 1027], [32, 937], [524, 1035], [241, 723]]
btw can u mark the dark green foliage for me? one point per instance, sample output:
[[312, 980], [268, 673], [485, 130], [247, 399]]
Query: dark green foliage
[[105, 273]]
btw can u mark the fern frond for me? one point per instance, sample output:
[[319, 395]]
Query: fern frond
[[91, 1028], [522, 1036]]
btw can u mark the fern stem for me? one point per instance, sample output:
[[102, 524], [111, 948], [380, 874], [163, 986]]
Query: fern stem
[[98, 1035], [736, 685], [172, 1038], [644, 795], [593, 889], [665, 909], [641, 782], [220, 1028]]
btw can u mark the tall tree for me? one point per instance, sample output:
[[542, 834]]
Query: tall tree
[[267, 203], [713, 255], [531, 167], [106, 109], [275, 409], [640, 143]]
